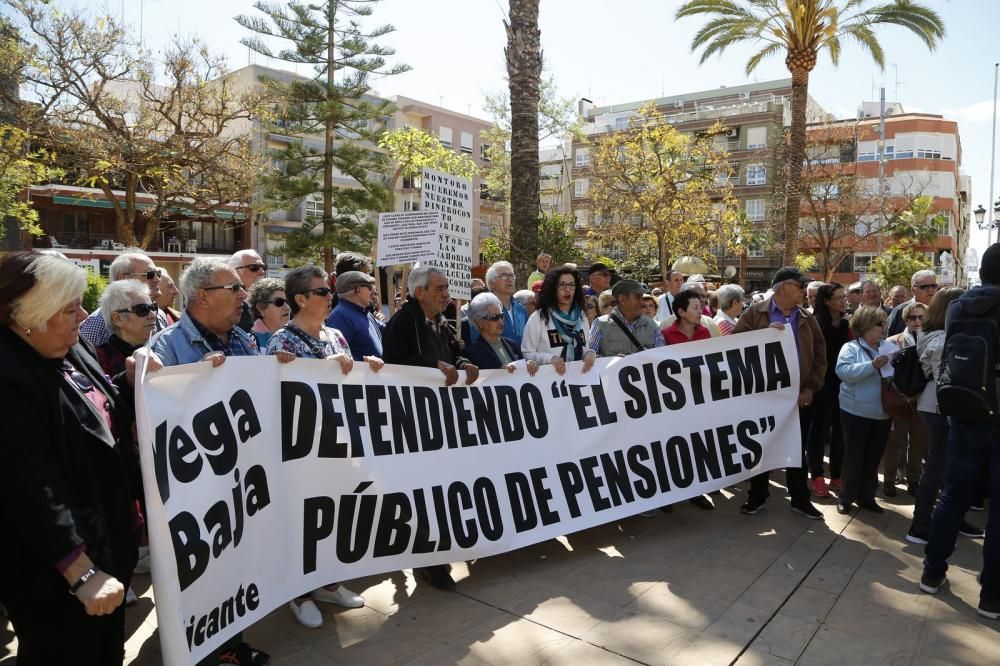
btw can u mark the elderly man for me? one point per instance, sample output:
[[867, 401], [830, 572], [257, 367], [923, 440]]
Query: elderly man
[[250, 268], [871, 295], [526, 298], [168, 293], [500, 281], [924, 286], [418, 334], [811, 290], [625, 330], [351, 315], [127, 266], [897, 295], [675, 280], [784, 308], [599, 279], [853, 297], [542, 264], [214, 296]]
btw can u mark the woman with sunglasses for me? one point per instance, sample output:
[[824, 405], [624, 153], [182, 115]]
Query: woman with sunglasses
[[67, 513], [269, 307], [130, 315], [307, 336], [559, 331], [492, 351]]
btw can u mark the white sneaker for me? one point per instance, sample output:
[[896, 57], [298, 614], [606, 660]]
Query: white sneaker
[[306, 613], [142, 566], [341, 596], [130, 597]]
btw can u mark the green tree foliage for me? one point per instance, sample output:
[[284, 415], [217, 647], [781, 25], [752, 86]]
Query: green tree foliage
[[20, 169], [555, 237], [897, 264], [801, 29], [96, 284], [334, 103], [411, 150], [918, 221]]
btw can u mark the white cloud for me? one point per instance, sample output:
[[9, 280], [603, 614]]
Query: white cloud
[[979, 112]]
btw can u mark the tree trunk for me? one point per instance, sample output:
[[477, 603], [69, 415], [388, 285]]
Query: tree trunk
[[329, 139], [524, 71], [796, 155], [661, 251]]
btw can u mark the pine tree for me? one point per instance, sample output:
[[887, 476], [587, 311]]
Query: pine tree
[[335, 103]]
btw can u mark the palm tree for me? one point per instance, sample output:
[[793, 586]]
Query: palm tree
[[801, 29], [524, 73]]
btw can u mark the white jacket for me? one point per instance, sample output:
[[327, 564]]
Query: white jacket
[[535, 344], [930, 346]]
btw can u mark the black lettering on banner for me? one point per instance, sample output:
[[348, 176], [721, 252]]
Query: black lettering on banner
[[716, 376], [674, 398], [460, 499], [332, 428], [487, 509], [679, 461], [571, 482], [403, 422], [522, 505], [594, 483], [448, 417], [318, 514], [746, 370], [354, 524], [297, 433], [616, 474], [236, 606], [377, 419], [706, 456], [428, 418], [422, 542], [778, 375], [465, 436], [484, 405], [393, 534], [510, 415], [533, 411], [745, 431], [693, 365], [727, 449], [543, 496], [355, 417], [635, 406], [636, 456]]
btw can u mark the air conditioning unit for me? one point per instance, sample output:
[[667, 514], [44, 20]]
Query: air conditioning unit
[[744, 95], [679, 104], [733, 133]]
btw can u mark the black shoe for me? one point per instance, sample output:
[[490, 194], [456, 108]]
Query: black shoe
[[930, 583], [989, 609], [244, 655], [751, 506], [969, 530], [843, 509], [808, 510], [438, 577], [917, 536], [871, 506], [889, 489], [703, 502]]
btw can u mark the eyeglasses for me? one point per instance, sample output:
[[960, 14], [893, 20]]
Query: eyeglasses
[[567, 285], [915, 318], [253, 268], [149, 275], [926, 286], [81, 380], [140, 309], [277, 302], [234, 287], [493, 317], [319, 291], [505, 276]]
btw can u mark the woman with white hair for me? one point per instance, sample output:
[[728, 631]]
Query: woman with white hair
[[730, 307], [130, 315], [491, 350], [67, 512]]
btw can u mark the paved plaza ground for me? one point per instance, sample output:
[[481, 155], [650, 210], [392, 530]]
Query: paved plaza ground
[[690, 587]]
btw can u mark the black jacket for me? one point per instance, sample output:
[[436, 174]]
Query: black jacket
[[409, 340], [482, 355], [63, 481]]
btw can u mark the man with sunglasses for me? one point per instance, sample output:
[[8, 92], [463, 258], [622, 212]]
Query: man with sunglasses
[[924, 287], [128, 266], [250, 268]]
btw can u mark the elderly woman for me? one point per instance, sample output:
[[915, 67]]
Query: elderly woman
[[307, 336], [491, 350], [866, 425], [526, 298], [605, 302], [559, 331], [269, 307], [649, 306], [730, 307], [130, 315], [67, 515]]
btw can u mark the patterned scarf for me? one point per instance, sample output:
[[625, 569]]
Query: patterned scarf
[[570, 329]]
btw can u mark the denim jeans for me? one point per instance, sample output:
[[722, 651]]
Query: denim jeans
[[972, 447], [826, 426], [864, 444], [935, 467]]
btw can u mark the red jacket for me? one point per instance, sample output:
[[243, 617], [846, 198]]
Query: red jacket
[[674, 336]]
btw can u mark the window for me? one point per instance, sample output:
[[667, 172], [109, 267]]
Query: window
[[313, 209], [756, 251], [580, 187], [825, 191], [756, 137], [756, 174], [467, 142], [444, 134], [411, 182], [621, 122], [755, 210], [484, 151], [582, 157], [862, 261], [410, 205]]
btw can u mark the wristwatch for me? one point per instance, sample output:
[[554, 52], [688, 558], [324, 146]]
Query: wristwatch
[[82, 580]]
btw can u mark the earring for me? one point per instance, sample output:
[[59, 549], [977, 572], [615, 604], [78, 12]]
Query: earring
[[27, 332]]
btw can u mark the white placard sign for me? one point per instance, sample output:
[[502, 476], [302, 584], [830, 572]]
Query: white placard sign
[[406, 238], [452, 197], [265, 481]]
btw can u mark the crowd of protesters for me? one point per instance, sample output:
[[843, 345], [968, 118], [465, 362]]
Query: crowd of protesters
[[70, 482]]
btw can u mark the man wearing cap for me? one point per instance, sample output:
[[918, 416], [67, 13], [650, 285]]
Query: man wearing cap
[[599, 276], [784, 308], [626, 330], [853, 297], [351, 317]]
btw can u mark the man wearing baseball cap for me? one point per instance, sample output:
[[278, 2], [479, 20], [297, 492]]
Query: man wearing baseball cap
[[350, 316], [784, 308], [626, 330], [599, 277]]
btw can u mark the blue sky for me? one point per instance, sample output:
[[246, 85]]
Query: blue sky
[[624, 50]]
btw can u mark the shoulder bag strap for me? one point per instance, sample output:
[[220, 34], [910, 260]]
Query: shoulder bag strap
[[627, 332]]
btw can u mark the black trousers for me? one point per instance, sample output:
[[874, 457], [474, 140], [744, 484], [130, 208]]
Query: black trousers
[[826, 426], [795, 477], [864, 444]]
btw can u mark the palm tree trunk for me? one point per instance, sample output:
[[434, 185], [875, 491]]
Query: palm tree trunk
[[524, 71], [796, 155]]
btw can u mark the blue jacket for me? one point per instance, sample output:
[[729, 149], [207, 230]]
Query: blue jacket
[[183, 343], [353, 322], [514, 321], [861, 382], [482, 355]]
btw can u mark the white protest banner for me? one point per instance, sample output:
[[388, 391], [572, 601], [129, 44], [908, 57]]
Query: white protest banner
[[265, 481], [406, 238], [452, 197]]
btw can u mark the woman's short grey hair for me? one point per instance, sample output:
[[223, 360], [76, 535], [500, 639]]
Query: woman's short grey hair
[[120, 295], [913, 306], [297, 281], [122, 265], [477, 308], [920, 275], [729, 294], [198, 275], [524, 296], [421, 277], [261, 291], [58, 282], [494, 270]]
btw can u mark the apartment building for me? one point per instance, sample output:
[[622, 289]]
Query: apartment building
[[755, 116], [920, 154]]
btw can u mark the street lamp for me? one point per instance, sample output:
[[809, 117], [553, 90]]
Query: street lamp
[[980, 214]]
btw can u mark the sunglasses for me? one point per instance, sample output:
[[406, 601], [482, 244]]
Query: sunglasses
[[915, 318], [926, 286], [319, 291], [234, 287], [140, 309], [277, 302], [254, 268], [493, 317], [81, 380], [155, 273]]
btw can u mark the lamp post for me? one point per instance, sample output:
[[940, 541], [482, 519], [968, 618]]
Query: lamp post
[[981, 222]]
